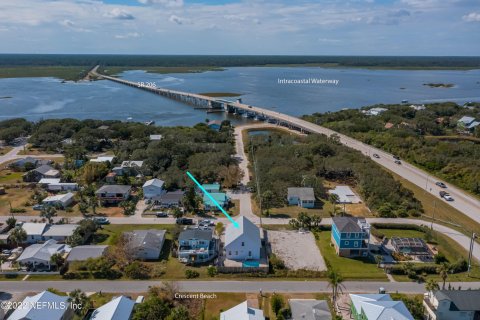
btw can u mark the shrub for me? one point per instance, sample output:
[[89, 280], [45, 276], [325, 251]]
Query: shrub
[[212, 271], [440, 258], [137, 270], [276, 263], [190, 274], [277, 303]]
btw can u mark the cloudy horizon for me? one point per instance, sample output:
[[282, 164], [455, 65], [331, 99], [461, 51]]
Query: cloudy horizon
[[243, 27]]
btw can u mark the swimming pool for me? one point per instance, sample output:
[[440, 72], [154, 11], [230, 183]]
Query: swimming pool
[[251, 263]]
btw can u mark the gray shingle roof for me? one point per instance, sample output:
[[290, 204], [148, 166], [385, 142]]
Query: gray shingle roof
[[196, 234], [309, 309], [347, 224], [462, 300], [302, 193], [152, 238], [82, 253], [114, 188], [44, 169]]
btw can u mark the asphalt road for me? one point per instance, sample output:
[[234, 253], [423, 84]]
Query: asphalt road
[[220, 286]]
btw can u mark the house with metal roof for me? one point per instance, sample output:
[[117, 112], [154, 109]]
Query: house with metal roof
[[102, 159], [302, 197], [242, 312], [34, 231], [45, 305], [156, 137], [220, 197], [82, 253], [209, 187], [38, 255], [60, 200], [153, 188], [59, 232], [242, 243], [113, 193], [44, 171], [345, 194], [196, 246], [378, 307], [350, 236], [119, 308], [452, 305], [146, 244], [309, 309]]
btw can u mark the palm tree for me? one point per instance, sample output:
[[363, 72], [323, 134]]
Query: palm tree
[[431, 286], [80, 300], [57, 260], [92, 202], [18, 235], [48, 213], [335, 280], [443, 272], [333, 198]]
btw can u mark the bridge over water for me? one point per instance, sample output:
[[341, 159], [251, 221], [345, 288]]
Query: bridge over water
[[465, 203]]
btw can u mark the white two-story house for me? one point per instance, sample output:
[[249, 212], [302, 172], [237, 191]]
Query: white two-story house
[[452, 305]]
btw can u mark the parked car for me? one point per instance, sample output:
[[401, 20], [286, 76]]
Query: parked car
[[441, 184], [161, 214], [376, 156], [101, 220], [204, 227], [7, 252], [398, 162], [38, 207], [185, 221], [206, 222]]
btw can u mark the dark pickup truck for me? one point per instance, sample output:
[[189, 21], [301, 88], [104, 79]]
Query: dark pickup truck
[[185, 221]]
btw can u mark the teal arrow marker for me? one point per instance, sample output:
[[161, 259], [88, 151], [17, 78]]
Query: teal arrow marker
[[235, 223]]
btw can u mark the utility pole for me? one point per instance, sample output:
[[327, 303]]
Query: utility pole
[[470, 253], [433, 215]]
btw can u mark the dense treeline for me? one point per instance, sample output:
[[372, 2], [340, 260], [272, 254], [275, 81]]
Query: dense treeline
[[285, 161], [203, 151], [427, 138], [231, 61]]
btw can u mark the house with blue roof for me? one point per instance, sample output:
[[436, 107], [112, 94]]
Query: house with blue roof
[[220, 197], [350, 236], [209, 187]]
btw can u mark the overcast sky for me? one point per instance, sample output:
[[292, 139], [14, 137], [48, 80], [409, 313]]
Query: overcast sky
[[315, 27]]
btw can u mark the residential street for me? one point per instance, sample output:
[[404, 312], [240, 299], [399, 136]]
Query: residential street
[[220, 286]]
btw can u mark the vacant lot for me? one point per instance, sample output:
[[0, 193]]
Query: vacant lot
[[298, 251]]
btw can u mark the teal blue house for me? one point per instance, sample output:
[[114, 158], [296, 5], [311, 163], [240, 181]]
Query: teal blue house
[[210, 187], [350, 236], [220, 197]]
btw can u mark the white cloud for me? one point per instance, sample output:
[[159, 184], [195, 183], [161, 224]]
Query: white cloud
[[166, 3], [178, 20], [72, 26], [472, 17], [128, 35], [121, 14]]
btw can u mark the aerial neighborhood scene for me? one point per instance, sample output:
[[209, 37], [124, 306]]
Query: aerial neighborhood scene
[[239, 160]]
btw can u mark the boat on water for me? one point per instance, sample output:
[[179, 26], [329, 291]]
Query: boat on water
[[149, 123]]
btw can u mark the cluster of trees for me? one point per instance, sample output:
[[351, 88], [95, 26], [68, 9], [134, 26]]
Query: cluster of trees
[[206, 153], [284, 161], [427, 138]]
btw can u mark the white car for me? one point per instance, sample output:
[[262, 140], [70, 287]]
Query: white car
[[448, 197]]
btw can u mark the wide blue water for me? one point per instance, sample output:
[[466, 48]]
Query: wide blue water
[[37, 98]]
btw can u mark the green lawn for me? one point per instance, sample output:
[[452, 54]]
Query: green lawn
[[359, 269], [7, 176]]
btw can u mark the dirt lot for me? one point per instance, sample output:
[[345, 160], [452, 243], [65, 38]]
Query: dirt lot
[[298, 251]]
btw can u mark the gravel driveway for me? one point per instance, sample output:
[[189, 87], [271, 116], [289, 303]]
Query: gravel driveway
[[298, 251]]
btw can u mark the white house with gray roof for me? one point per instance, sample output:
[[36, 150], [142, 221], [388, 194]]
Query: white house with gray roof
[[242, 243], [59, 232], [113, 193], [309, 309], [38, 255], [146, 244], [43, 306], [119, 308], [452, 305], [302, 197], [153, 188], [34, 231], [60, 200], [242, 312]]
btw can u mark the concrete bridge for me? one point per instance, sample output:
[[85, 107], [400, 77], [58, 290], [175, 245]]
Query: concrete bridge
[[465, 203]]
